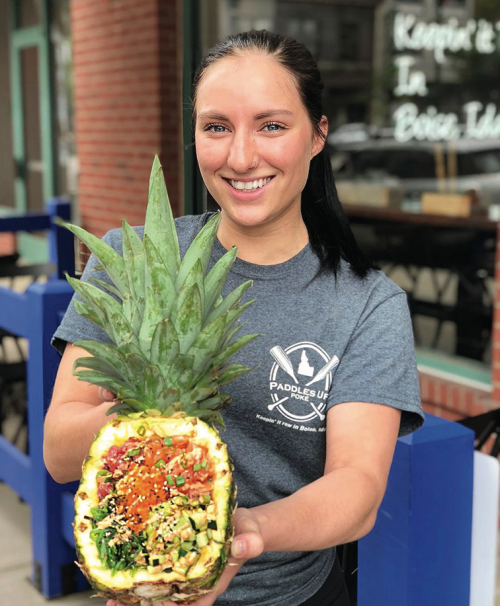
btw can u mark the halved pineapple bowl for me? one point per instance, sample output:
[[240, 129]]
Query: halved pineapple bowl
[[153, 513]]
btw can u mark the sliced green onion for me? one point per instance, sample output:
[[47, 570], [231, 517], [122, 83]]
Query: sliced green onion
[[141, 430], [206, 498], [170, 480], [160, 463], [168, 441], [197, 467], [204, 463], [103, 472], [180, 480], [133, 452]]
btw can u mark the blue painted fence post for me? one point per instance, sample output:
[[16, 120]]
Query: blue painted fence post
[[51, 553], [419, 552], [61, 240]]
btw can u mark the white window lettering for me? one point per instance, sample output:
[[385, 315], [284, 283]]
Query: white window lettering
[[430, 126], [485, 38], [409, 83], [441, 37]]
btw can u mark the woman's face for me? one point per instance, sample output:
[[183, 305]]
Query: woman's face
[[249, 112]]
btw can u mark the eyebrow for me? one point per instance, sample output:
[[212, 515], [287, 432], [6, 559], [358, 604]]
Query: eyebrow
[[266, 114]]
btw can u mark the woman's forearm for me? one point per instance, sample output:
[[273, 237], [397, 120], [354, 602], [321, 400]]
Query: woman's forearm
[[69, 431], [335, 509]]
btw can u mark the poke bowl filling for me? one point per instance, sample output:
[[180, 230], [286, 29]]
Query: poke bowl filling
[[155, 508]]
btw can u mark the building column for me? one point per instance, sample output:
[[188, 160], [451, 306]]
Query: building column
[[127, 89]]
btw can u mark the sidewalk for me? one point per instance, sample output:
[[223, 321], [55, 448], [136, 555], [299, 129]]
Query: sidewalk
[[15, 559]]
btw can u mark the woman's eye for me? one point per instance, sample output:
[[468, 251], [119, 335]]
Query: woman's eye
[[274, 127], [209, 128]]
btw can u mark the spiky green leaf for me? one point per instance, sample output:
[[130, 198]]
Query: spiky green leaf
[[233, 348], [134, 260], [153, 383], [231, 373], [232, 299], [216, 278], [87, 312], [187, 317], [159, 278], [111, 261], [159, 225], [207, 343], [110, 354], [106, 286], [164, 344], [200, 249], [99, 364]]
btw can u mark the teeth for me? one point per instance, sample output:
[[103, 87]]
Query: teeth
[[250, 185]]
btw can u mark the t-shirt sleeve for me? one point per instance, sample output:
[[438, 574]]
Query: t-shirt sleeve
[[379, 365], [75, 327]]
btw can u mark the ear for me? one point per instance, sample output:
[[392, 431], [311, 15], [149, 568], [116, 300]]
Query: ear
[[319, 142]]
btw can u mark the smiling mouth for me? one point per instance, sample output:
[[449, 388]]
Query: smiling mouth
[[248, 185]]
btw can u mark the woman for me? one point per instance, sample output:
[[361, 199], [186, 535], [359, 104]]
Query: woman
[[312, 429]]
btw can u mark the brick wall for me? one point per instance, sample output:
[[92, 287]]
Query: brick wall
[[453, 400], [128, 81]]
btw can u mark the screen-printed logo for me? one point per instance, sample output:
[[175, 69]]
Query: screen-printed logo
[[300, 380]]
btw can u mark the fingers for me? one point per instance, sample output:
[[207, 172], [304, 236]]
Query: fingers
[[106, 396], [247, 545]]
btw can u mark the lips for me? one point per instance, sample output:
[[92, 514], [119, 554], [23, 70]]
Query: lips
[[244, 195]]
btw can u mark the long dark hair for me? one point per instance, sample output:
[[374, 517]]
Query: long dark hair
[[329, 232]]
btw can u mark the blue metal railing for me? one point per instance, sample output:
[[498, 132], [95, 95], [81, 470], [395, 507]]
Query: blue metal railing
[[35, 315]]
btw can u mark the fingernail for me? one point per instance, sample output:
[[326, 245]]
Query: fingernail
[[239, 548]]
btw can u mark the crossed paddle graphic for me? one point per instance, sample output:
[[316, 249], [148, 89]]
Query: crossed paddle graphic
[[285, 364]]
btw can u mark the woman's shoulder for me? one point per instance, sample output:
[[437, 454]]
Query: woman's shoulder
[[372, 289]]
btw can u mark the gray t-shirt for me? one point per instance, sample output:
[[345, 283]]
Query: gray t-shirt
[[324, 342]]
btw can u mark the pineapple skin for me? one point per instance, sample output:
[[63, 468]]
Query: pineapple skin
[[143, 587]]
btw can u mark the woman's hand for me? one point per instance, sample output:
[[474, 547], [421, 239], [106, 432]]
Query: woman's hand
[[247, 544]]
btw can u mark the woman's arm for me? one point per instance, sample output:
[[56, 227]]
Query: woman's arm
[[342, 505], [76, 414]]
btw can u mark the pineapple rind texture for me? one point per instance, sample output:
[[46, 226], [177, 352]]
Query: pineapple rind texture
[[140, 586]]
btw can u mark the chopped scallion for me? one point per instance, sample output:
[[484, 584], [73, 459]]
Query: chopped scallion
[[133, 452], [160, 463], [168, 441], [180, 480], [170, 480], [103, 472], [197, 467], [204, 463], [141, 430]]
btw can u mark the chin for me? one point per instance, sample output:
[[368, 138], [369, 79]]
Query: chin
[[247, 217]]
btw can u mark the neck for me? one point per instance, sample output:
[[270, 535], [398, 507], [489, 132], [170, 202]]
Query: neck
[[264, 244]]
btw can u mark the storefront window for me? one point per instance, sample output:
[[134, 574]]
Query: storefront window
[[414, 141]]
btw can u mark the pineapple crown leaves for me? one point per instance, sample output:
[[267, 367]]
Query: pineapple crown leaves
[[172, 333]]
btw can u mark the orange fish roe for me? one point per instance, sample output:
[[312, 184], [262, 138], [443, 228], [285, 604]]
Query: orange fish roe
[[140, 490]]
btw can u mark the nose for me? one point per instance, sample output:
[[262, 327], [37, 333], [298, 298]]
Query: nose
[[242, 152]]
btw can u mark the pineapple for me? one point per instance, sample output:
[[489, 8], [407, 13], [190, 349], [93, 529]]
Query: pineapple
[[153, 512]]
